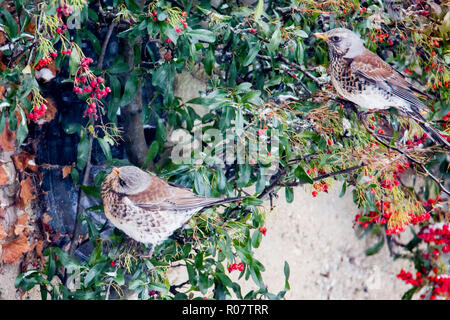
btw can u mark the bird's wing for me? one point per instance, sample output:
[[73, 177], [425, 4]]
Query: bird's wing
[[161, 195], [374, 69]]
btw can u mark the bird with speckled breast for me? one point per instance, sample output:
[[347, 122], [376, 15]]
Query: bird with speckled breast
[[363, 78], [147, 208]]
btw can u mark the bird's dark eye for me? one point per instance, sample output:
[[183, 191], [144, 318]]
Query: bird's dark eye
[[122, 183], [335, 39]]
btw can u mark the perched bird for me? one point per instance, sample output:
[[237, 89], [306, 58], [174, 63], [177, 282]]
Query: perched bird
[[147, 208], [363, 78]]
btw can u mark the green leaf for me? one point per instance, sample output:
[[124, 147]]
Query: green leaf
[[83, 151], [343, 190], [286, 270], [289, 194], [151, 153], [252, 54], [199, 260], [75, 175], [210, 60], [410, 293], [158, 287], [259, 10], [119, 66], [105, 148], [375, 248], [10, 23], [301, 33], [244, 172], [275, 40], [261, 181], [201, 184], [302, 176], [22, 130], [91, 191], [95, 42], [250, 201], [131, 87], [256, 239], [74, 62], [202, 35]]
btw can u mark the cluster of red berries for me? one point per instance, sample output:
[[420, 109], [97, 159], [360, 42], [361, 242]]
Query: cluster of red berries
[[407, 71], [446, 119], [441, 286], [37, 112], [65, 10], [263, 230], [417, 141], [45, 61], [388, 184], [236, 266], [431, 202], [321, 186], [409, 279], [439, 283], [94, 86], [66, 52], [437, 236], [62, 29]]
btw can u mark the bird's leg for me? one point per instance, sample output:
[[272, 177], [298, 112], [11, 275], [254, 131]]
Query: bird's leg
[[148, 255]]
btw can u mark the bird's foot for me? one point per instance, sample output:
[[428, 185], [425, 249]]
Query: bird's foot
[[148, 255]]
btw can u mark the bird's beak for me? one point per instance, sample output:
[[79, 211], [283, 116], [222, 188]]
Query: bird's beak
[[321, 36], [116, 171]]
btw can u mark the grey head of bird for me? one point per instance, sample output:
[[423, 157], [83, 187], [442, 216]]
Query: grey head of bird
[[343, 42], [128, 180]]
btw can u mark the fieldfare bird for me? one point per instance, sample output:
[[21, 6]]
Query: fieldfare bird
[[147, 208], [363, 78]]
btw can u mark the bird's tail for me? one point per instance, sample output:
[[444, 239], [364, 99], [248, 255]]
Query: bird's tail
[[431, 132], [224, 200]]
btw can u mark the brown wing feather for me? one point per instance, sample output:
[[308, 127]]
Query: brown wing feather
[[374, 69], [160, 195]]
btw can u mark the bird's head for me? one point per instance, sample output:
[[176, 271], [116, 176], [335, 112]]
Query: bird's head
[[343, 42], [127, 180]]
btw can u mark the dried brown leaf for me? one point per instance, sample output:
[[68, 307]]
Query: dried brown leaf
[[66, 171], [7, 139], [14, 249], [2, 38], [26, 192], [21, 224], [2, 88], [3, 233], [24, 160], [3, 176]]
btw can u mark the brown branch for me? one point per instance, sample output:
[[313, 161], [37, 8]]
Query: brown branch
[[327, 175], [293, 66]]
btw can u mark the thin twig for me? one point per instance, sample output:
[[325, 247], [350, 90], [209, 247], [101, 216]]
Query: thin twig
[[105, 44], [81, 195], [414, 161]]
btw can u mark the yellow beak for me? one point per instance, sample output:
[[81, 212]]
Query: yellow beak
[[321, 36], [116, 171]]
